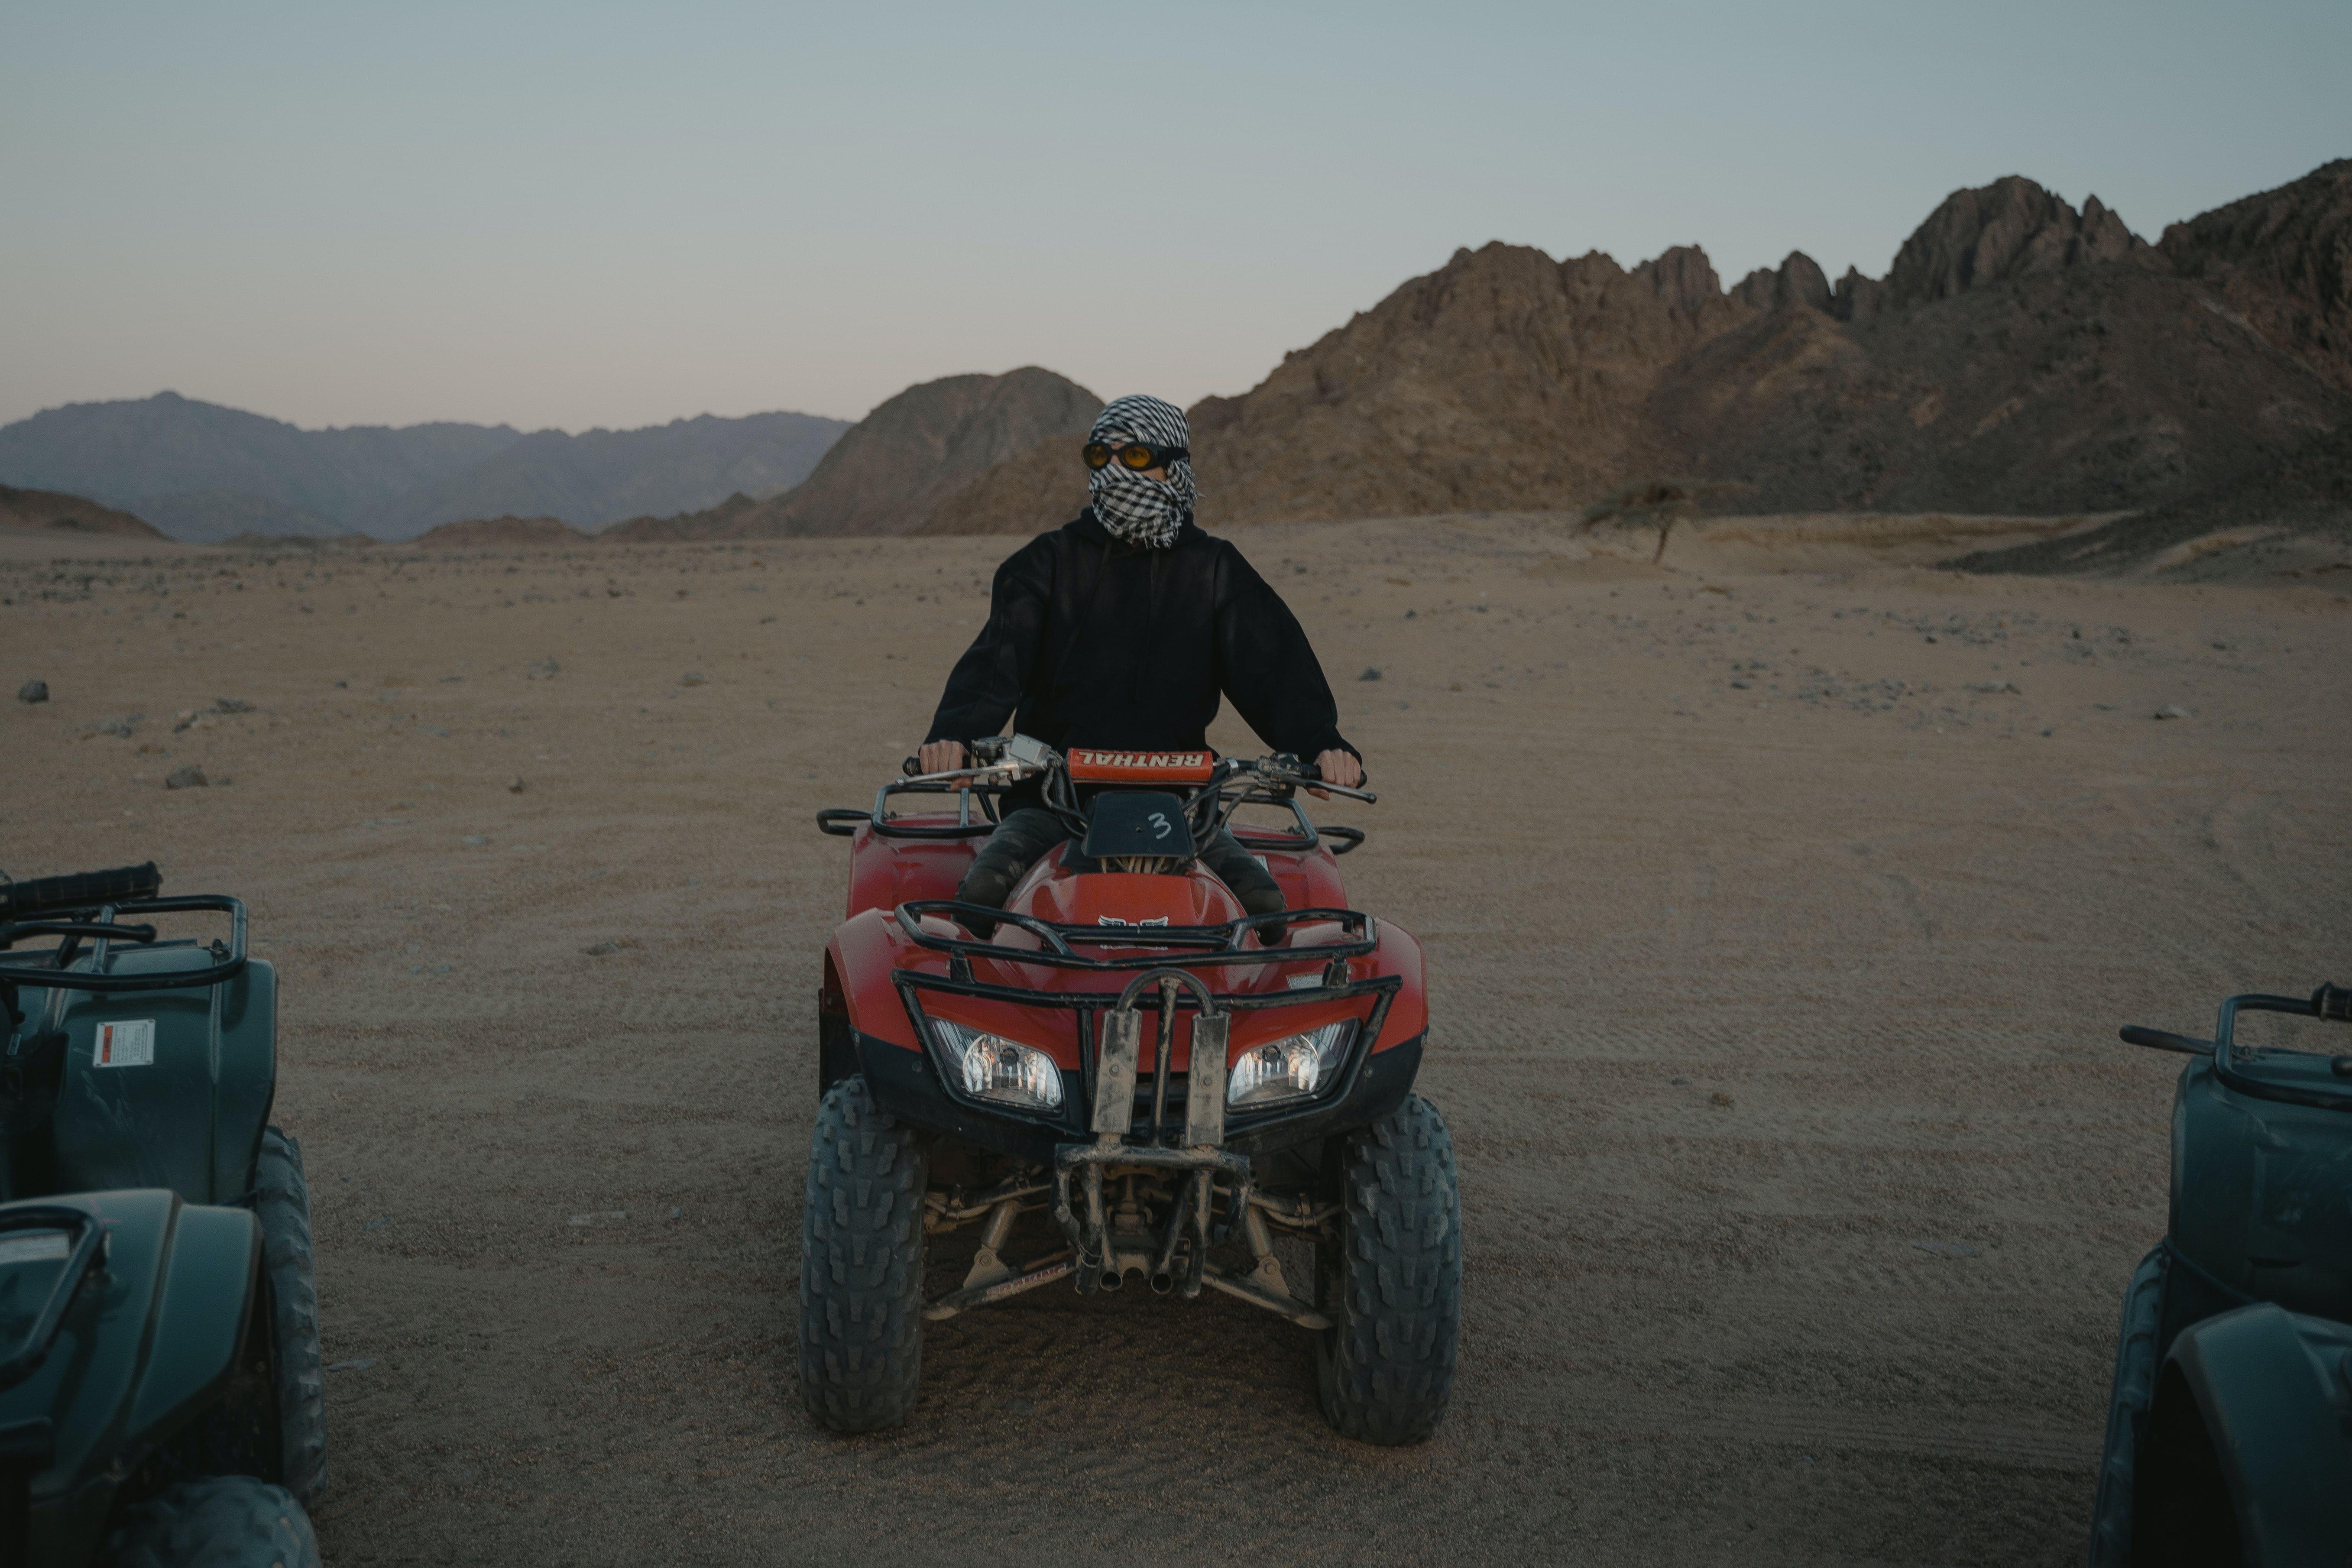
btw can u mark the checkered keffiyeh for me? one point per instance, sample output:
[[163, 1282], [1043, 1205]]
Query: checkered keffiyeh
[[1142, 511]]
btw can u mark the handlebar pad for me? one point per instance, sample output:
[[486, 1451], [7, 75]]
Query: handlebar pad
[[910, 767], [81, 889]]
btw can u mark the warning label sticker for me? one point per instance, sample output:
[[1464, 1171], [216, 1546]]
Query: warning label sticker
[[129, 1043]]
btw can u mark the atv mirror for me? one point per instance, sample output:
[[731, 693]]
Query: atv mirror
[[1137, 823]]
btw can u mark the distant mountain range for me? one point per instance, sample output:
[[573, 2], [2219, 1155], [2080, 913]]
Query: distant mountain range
[[2019, 356], [204, 473]]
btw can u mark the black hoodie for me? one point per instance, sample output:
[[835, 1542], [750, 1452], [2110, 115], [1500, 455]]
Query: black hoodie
[[1091, 641]]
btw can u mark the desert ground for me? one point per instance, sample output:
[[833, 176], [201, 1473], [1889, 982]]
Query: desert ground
[[1780, 904]]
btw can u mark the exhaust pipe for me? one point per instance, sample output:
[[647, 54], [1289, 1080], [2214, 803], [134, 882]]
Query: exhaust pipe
[[1112, 1279], [1162, 1282]]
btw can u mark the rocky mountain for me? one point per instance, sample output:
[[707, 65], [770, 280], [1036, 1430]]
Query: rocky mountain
[[890, 472], [203, 472], [47, 510], [1040, 488], [1504, 380], [2283, 260], [2307, 494], [2020, 355]]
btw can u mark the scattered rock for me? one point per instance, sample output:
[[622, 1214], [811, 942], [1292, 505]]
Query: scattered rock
[[435, 730], [121, 728], [544, 668], [1948, 1248], [1680, 1082], [1371, 673], [1718, 1097], [516, 786], [689, 678], [1994, 687], [2174, 710], [473, 841], [186, 777], [606, 1216], [33, 691], [231, 705], [360, 1365], [618, 944], [375, 1223]]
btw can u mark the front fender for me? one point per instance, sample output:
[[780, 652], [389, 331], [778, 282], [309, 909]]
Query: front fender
[[859, 960], [2263, 1398], [148, 1342]]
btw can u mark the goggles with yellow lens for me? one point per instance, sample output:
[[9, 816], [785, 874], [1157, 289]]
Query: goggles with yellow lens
[[1132, 455]]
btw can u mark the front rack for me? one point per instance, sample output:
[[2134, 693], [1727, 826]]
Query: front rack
[[48, 968], [2331, 1004], [1218, 944]]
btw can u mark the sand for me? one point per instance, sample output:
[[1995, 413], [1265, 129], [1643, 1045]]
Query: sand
[[1779, 919]]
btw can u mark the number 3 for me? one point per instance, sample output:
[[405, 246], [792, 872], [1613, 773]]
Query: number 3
[[1160, 821]]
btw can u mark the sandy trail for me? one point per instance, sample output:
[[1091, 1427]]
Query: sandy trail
[[1776, 948]]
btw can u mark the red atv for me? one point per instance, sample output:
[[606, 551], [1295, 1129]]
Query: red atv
[[1123, 1073]]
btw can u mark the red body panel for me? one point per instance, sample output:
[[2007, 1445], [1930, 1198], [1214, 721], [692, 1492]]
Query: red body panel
[[886, 873]]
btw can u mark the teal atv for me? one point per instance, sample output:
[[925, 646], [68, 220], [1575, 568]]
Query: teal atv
[[161, 1400], [2229, 1429]]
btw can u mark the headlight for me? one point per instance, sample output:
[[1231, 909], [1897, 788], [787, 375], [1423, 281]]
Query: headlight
[[991, 1067], [1291, 1067]]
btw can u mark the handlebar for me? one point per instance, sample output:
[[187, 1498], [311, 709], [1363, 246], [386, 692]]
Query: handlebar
[[78, 890], [2164, 1040], [992, 753]]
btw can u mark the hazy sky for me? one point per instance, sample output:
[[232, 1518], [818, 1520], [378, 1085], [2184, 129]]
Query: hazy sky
[[585, 215]]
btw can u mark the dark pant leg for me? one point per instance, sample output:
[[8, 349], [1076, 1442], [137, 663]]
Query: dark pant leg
[[1239, 869], [1005, 856]]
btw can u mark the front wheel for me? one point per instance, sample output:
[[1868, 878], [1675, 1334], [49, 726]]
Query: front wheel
[[861, 1265], [220, 1521], [282, 1202], [1393, 1285]]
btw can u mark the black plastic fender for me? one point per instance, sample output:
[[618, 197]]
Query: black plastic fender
[[145, 1346], [2250, 1435]]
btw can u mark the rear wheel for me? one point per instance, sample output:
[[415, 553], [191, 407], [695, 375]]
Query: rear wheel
[[1393, 1285], [220, 1521], [861, 1265], [282, 1203]]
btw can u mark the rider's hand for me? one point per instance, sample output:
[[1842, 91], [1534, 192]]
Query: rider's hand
[[939, 756], [1336, 767]]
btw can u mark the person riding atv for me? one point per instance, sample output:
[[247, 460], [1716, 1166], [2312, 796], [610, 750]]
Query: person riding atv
[[1119, 630], [1140, 1040]]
